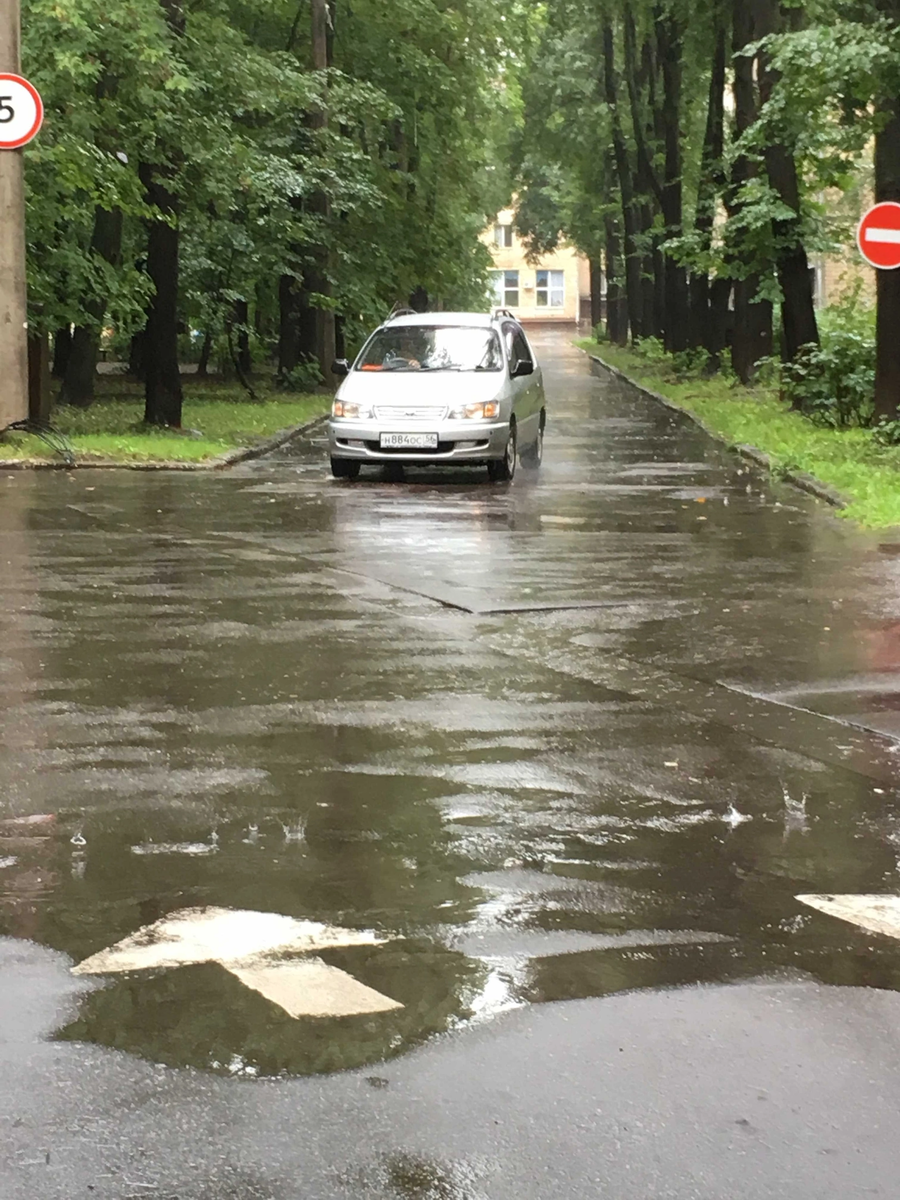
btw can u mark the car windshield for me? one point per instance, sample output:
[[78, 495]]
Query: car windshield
[[432, 348]]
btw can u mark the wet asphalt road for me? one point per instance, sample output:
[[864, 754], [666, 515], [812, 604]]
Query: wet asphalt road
[[504, 728]]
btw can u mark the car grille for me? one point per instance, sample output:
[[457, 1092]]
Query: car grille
[[399, 412]]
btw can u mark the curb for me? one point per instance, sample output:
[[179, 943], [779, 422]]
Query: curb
[[220, 463], [799, 479]]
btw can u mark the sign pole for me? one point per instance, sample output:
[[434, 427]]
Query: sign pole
[[887, 317], [13, 301]]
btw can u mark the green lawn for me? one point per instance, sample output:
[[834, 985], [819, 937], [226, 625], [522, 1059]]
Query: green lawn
[[112, 428], [867, 474]]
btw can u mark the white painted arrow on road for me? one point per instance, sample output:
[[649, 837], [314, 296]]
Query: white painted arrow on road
[[253, 946], [879, 914]]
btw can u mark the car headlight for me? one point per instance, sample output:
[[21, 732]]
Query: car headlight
[[356, 412], [477, 412]]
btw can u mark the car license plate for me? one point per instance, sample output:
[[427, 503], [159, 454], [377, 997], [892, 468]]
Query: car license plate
[[409, 441]]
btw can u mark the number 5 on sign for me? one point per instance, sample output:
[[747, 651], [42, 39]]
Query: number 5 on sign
[[21, 111]]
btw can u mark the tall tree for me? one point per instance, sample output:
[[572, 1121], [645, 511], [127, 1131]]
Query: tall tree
[[162, 379], [798, 315], [746, 261]]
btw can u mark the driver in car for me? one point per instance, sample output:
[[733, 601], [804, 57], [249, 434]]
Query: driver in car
[[407, 355]]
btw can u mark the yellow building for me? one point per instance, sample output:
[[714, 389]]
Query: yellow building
[[554, 289]]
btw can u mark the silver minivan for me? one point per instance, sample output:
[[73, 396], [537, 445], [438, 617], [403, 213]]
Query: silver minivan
[[440, 388]]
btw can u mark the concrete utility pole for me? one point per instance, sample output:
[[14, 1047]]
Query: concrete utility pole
[[13, 310]]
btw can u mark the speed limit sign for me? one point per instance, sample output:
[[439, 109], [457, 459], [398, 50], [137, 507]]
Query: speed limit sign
[[21, 111]]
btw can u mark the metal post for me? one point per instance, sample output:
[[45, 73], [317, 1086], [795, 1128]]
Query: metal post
[[13, 310]]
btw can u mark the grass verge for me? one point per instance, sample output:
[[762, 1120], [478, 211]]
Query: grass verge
[[848, 460], [222, 415]]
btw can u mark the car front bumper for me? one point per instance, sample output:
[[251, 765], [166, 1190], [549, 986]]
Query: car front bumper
[[458, 441]]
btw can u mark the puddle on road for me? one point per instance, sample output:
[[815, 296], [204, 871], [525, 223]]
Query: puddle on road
[[202, 706], [406, 1176]]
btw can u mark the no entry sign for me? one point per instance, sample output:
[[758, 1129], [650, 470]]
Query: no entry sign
[[878, 236], [21, 111]]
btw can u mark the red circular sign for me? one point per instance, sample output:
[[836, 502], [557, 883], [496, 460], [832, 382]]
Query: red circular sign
[[878, 236]]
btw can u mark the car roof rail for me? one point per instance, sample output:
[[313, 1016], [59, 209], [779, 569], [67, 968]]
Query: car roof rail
[[401, 310], [504, 312]]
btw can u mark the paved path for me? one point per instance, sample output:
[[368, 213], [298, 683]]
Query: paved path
[[510, 731]]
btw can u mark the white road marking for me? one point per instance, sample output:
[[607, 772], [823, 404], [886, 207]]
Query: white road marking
[[311, 988], [252, 946], [874, 234], [879, 914]]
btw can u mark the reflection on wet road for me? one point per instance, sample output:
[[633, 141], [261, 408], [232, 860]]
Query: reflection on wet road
[[588, 733]]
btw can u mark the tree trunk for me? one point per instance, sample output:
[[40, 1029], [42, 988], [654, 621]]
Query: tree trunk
[[670, 45], [798, 313], [637, 77], [708, 190], [81, 369], [317, 279], [306, 331], [62, 343], [715, 339], [752, 327], [288, 325], [205, 351], [137, 355], [38, 378], [242, 323], [616, 312], [162, 380], [887, 327], [626, 188], [596, 277], [78, 386], [652, 299], [655, 271]]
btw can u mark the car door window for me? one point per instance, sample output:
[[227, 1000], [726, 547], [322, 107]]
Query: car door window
[[519, 351], [516, 347]]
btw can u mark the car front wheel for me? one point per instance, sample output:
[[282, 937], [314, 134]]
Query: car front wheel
[[533, 455], [501, 470], [344, 468]]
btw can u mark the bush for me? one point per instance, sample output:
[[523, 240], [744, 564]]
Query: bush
[[887, 433], [834, 383], [305, 377]]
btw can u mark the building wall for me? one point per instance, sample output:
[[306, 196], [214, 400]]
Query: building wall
[[838, 278], [841, 275], [576, 287]]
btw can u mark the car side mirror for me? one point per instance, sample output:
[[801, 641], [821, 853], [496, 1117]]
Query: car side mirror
[[522, 366], [340, 366]]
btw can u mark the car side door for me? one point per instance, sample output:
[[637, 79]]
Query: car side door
[[527, 397], [515, 385]]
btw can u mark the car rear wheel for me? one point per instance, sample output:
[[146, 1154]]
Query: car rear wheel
[[533, 455], [501, 470], [344, 468]]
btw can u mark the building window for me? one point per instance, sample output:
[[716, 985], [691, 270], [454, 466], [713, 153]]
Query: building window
[[503, 235], [550, 291], [506, 288]]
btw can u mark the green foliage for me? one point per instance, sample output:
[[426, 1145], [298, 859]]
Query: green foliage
[[421, 97], [834, 383], [304, 377], [887, 433]]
